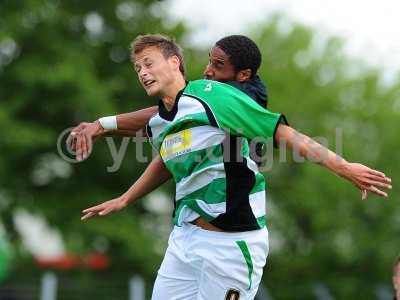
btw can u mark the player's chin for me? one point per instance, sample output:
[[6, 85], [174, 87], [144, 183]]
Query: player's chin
[[152, 91]]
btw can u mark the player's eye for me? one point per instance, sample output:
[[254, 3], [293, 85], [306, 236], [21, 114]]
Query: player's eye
[[218, 64]]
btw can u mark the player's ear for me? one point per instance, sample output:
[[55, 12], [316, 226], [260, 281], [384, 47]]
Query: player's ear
[[243, 75], [175, 61]]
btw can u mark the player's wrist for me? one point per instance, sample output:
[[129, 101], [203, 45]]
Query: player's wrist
[[343, 168], [99, 130], [125, 199], [108, 123]]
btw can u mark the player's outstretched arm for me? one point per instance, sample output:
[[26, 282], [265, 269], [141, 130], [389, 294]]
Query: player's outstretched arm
[[364, 178], [82, 137], [154, 176]]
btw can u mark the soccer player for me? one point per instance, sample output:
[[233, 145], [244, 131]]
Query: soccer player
[[234, 59], [218, 248]]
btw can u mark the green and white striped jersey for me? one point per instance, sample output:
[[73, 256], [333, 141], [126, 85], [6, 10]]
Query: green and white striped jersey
[[204, 143]]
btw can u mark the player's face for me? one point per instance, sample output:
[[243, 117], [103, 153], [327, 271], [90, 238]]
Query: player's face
[[155, 72], [219, 67]]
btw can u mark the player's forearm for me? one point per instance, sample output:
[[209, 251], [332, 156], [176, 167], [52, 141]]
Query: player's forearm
[[310, 149], [134, 121], [127, 124], [97, 130], [119, 132], [154, 176]]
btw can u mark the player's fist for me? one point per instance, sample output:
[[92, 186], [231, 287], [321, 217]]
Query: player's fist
[[82, 137]]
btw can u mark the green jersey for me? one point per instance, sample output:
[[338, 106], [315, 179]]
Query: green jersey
[[204, 143]]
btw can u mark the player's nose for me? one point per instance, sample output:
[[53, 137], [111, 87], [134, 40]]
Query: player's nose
[[208, 72], [143, 75]]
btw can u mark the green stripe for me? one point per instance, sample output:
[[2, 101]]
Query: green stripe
[[261, 221], [247, 256], [178, 211], [245, 148], [259, 185], [212, 193], [187, 164]]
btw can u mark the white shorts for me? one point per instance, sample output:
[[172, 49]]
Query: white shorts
[[208, 265]]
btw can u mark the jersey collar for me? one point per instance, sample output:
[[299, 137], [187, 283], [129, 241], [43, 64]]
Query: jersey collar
[[170, 115]]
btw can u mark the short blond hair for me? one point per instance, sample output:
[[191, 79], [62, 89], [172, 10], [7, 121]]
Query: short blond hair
[[167, 45]]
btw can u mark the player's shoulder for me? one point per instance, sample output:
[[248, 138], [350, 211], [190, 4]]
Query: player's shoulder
[[204, 88], [207, 85]]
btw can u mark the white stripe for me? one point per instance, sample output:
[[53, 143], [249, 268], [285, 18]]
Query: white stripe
[[198, 180], [252, 165], [214, 209], [157, 125], [257, 203], [257, 200], [187, 215], [206, 136], [203, 137], [187, 106]]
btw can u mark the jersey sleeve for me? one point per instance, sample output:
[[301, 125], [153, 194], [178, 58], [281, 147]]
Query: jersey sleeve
[[235, 111]]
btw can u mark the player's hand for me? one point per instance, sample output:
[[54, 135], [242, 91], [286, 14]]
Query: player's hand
[[82, 137], [367, 179], [104, 208]]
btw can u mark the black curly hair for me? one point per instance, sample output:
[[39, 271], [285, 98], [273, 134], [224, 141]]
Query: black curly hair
[[242, 51]]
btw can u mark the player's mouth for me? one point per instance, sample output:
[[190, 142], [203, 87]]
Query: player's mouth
[[148, 83]]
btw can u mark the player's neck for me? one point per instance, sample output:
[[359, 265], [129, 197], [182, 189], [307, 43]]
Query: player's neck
[[170, 93]]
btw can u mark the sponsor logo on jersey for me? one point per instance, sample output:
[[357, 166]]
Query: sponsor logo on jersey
[[176, 144]]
